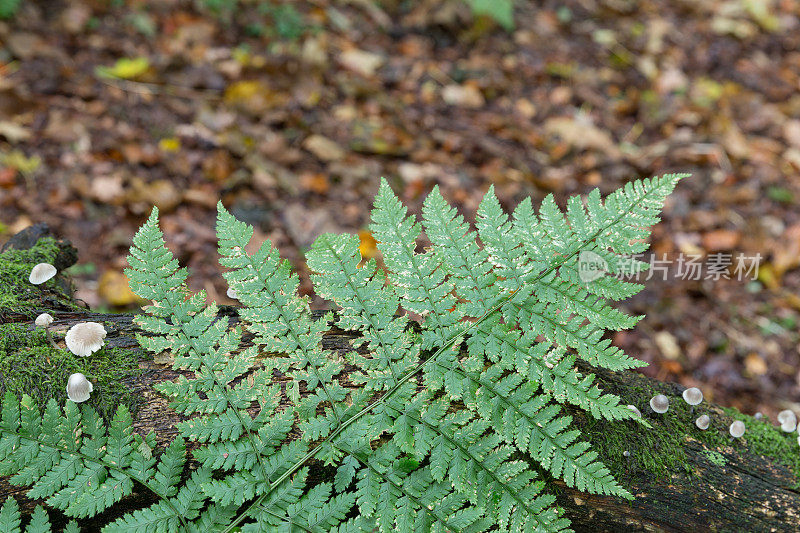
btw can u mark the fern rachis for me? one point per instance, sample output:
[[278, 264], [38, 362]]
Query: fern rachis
[[445, 424]]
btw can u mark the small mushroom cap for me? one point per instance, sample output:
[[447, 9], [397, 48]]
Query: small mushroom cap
[[635, 410], [85, 338], [79, 388], [737, 429], [626, 453], [43, 320], [702, 422], [787, 415], [693, 396], [231, 293], [788, 425], [759, 415], [659, 403], [41, 273]]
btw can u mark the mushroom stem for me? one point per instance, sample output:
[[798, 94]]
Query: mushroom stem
[[50, 338]]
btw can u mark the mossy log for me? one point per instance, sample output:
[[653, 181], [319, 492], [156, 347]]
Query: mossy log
[[683, 479]]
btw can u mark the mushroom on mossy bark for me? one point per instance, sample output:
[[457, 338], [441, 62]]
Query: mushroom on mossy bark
[[737, 429], [85, 338], [41, 273], [787, 420], [659, 403], [43, 321], [79, 388], [693, 396], [635, 410]]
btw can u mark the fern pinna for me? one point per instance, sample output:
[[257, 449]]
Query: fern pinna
[[441, 427]]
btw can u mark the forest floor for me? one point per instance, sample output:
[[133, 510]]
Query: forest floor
[[291, 112]]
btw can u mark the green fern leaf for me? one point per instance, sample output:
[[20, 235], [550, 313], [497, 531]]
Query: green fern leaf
[[10, 517], [170, 468], [154, 519], [40, 522], [438, 420]]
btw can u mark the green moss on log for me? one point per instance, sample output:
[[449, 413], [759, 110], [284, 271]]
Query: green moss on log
[[762, 437], [30, 365], [661, 451], [17, 295], [654, 452]]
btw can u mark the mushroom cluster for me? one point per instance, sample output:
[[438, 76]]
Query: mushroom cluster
[[694, 396], [82, 339]]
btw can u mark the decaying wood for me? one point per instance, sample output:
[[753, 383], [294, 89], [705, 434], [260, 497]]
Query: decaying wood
[[749, 492]]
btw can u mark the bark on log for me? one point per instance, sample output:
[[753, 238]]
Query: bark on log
[[728, 486]]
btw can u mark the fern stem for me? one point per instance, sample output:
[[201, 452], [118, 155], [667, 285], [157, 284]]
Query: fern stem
[[411, 373], [224, 390]]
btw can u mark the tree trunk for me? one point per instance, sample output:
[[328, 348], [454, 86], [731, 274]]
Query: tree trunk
[[717, 484]]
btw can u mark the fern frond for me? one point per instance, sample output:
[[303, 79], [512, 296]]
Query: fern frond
[[69, 459], [40, 522], [156, 518], [11, 520], [282, 321], [10, 517], [418, 278], [188, 503], [335, 260], [435, 426], [170, 468], [204, 345]]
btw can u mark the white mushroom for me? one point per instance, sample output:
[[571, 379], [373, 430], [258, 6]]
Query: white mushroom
[[44, 320], [702, 422], [231, 293], [737, 429], [635, 410], [79, 388], [693, 396], [759, 415], [787, 420], [41, 273], [85, 338], [659, 403]]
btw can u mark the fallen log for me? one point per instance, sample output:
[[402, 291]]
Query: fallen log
[[683, 478]]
